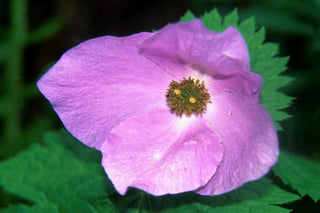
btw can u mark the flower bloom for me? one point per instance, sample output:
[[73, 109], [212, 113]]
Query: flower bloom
[[172, 111]]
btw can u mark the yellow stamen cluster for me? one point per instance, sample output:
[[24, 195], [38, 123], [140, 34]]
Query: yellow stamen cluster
[[190, 96]]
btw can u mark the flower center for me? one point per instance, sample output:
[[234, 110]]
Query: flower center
[[190, 96]]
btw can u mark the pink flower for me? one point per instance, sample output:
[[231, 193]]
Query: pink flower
[[172, 111]]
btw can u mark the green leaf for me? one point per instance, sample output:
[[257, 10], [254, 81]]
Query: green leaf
[[212, 20], [231, 19], [301, 174], [265, 62], [257, 196], [263, 58], [54, 179], [48, 208], [188, 16]]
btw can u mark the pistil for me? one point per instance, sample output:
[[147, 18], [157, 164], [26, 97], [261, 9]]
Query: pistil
[[188, 97]]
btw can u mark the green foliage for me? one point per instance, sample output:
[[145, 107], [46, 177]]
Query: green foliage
[[65, 176], [301, 174], [188, 16], [53, 179], [263, 57], [13, 44], [212, 19], [258, 196]]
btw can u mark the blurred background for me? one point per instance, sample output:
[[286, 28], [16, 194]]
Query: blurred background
[[35, 33]]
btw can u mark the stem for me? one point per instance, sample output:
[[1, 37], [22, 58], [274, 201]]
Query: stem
[[13, 76]]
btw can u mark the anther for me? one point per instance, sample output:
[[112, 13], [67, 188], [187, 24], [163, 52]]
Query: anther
[[192, 100], [177, 91]]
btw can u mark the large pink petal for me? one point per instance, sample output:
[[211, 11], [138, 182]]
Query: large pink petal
[[191, 46], [161, 153], [247, 131], [101, 81]]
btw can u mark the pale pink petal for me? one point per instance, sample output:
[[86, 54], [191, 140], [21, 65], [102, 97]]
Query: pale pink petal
[[161, 153], [100, 82], [191, 46], [247, 131]]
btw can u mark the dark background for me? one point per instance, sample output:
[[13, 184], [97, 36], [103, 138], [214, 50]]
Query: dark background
[[48, 28], [35, 33]]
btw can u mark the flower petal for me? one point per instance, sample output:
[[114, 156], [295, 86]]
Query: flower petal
[[247, 131], [161, 153], [190, 44], [99, 82]]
